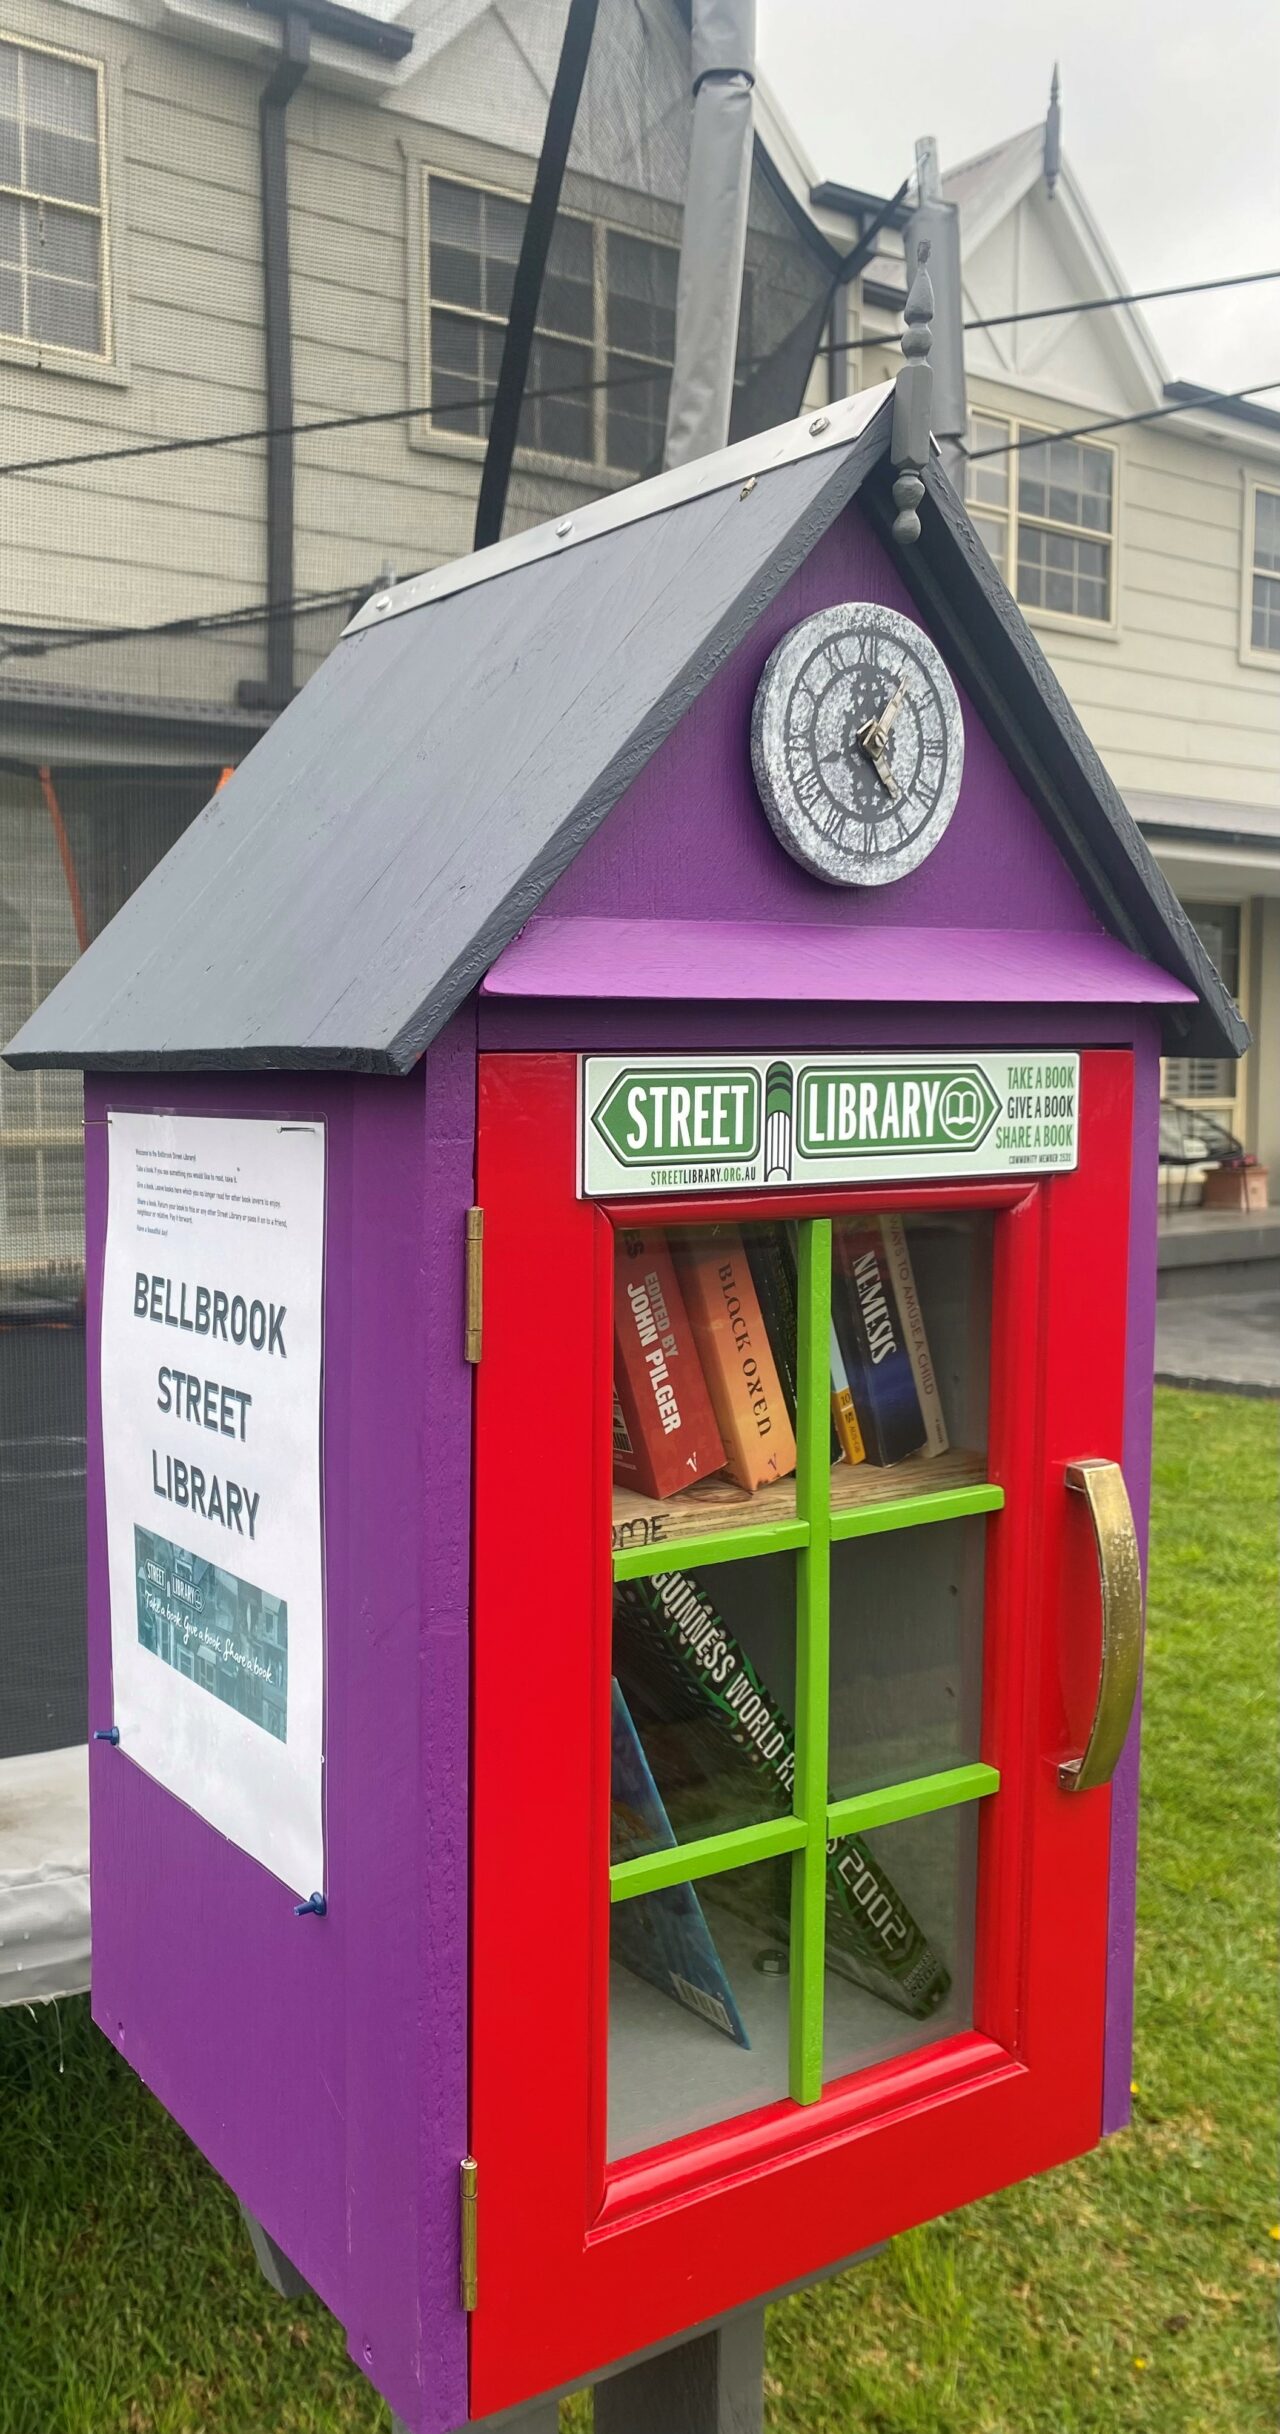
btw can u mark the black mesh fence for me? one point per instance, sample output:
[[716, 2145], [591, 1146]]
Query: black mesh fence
[[134, 624]]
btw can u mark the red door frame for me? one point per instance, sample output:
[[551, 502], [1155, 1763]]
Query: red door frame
[[577, 2266]]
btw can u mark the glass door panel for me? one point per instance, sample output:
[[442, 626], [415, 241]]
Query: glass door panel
[[704, 1381], [699, 2004], [797, 1668], [704, 1677], [906, 1654], [923, 1915], [910, 1352]]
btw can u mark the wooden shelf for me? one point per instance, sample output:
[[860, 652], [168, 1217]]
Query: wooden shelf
[[854, 1486], [716, 1507]]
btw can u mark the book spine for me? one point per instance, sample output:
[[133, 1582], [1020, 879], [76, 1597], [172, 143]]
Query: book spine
[[898, 1253], [664, 1433], [740, 1370], [871, 1933], [871, 1337], [844, 1418], [775, 1284]]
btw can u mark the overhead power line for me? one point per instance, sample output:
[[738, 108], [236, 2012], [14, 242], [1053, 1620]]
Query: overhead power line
[[584, 388], [39, 643], [1140, 295], [255, 611], [1120, 422], [1058, 312]]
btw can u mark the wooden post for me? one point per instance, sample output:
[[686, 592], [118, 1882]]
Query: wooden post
[[713, 2384]]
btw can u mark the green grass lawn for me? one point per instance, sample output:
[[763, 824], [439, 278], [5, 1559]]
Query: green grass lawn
[[1132, 2290]]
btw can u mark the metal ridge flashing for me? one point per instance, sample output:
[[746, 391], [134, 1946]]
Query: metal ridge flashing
[[826, 427]]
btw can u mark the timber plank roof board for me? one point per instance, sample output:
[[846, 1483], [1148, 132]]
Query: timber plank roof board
[[407, 814]]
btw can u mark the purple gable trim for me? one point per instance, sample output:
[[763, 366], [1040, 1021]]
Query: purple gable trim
[[690, 838], [588, 955], [534, 1026], [321, 2064]]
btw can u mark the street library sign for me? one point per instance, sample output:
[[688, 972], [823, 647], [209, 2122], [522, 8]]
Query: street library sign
[[721, 1123]]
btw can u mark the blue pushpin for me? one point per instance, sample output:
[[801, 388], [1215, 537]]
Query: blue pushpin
[[111, 1733], [314, 1906]]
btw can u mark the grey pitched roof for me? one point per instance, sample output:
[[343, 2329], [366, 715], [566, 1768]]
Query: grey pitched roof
[[408, 812]]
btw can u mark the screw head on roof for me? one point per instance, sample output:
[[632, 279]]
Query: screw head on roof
[[383, 603], [564, 528], [820, 423]]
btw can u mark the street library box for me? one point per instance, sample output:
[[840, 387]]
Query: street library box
[[620, 1199]]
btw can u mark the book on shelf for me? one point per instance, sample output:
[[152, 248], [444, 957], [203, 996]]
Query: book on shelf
[[771, 1258], [722, 1750], [906, 1293], [885, 1355], [662, 1937], [737, 1358], [664, 1428], [844, 1416]]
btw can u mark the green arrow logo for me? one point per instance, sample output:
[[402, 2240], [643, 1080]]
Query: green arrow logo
[[865, 1110], [698, 1117]]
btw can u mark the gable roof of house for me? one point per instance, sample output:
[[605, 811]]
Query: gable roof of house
[[409, 811]]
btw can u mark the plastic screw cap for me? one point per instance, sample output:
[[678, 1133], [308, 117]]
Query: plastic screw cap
[[314, 1906], [109, 1732]]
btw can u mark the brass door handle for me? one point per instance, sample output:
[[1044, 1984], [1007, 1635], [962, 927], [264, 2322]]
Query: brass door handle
[[1103, 1488]]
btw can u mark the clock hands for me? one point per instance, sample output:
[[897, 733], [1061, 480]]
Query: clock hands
[[873, 739]]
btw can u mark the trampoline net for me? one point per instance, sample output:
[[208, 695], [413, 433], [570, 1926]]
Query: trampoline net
[[138, 660]]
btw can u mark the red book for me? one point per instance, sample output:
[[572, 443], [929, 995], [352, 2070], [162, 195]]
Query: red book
[[664, 1429]]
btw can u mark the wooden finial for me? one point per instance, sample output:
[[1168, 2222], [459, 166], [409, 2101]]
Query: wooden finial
[[911, 406]]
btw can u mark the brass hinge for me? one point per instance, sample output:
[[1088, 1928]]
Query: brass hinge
[[475, 1285], [468, 2174]]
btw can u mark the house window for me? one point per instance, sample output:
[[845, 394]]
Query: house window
[[52, 208], [1046, 513], [604, 340], [1265, 626], [1211, 1081]]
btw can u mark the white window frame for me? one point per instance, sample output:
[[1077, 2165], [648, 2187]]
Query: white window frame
[[445, 435], [1231, 1109], [1015, 427], [14, 347], [1254, 654]]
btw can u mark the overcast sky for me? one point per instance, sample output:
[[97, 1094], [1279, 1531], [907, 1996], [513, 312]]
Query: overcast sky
[[1171, 123]]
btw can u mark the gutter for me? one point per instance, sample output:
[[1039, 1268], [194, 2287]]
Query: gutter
[[348, 25], [298, 20], [273, 149]]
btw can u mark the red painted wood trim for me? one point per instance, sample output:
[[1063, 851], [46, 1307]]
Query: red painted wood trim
[[579, 2265], [705, 1208]]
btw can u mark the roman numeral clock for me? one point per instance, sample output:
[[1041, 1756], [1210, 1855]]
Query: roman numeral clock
[[857, 744]]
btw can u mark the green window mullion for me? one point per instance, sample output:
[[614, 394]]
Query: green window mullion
[[728, 1546], [909, 1512], [714, 1855], [813, 1611], [865, 1810]]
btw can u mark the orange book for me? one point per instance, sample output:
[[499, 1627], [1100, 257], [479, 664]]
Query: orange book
[[737, 1363]]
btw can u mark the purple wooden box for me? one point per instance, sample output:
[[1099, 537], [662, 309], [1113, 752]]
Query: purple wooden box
[[544, 866]]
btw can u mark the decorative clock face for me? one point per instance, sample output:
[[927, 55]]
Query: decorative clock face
[[857, 744]]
